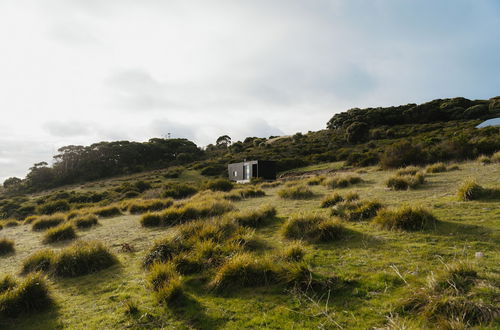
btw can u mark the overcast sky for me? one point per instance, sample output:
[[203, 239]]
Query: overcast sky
[[83, 71]]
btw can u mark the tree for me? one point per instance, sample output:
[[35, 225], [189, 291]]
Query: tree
[[223, 141], [12, 183], [357, 132]]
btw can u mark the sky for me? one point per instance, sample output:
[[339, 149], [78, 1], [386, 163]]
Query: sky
[[84, 71]]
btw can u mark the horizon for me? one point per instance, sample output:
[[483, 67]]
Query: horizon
[[79, 72]]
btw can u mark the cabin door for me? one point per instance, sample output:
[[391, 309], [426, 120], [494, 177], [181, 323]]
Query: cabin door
[[246, 172]]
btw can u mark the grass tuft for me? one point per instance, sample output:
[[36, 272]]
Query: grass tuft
[[6, 246], [408, 170], [296, 192], [40, 261], [107, 211], [312, 228], [335, 198], [342, 181], [142, 206], [404, 182], [356, 211], [469, 190], [63, 232], [85, 221], [436, 168], [293, 252], [254, 218], [409, 218], [47, 222]]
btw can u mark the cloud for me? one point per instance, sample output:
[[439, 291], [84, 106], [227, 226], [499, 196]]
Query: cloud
[[67, 129]]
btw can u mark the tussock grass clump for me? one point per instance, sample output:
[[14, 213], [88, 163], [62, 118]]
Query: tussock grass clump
[[342, 181], [251, 192], [179, 191], [495, 158], [1, 227], [356, 211], [63, 232], [312, 228], [11, 223], [83, 258], [189, 211], [316, 180], [219, 185], [47, 222], [267, 185], [254, 218], [335, 198], [29, 220], [164, 250], [408, 170], [485, 160], [448, 299], [409, 218], [6, 246], [436, 168], [170, 292], [85, 221], [7, 283], [107, 211], [40, 261], [142, 206], [469, 190], [160, 273], [52, 207], [296, 192], [29, 296], [293, 252], [404, 182], [245, 270]]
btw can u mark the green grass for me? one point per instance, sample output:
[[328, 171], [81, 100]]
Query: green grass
[[381, 268]]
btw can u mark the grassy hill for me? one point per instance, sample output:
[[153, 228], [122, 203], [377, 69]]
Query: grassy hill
[[235, 259]]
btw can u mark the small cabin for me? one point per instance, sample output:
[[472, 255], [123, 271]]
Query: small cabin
[[246, 170]]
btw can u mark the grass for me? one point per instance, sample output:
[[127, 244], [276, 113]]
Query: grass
[[142, 206], [342, 181], [254, 218], [334, 198], [495, 158], [179, 191], [356, 211], [107, 211], [40, 261], [293, 252], [404, 182], [409, 170], [410, 218], [46, 222], [85, 221], [470, 190], [368, 258], [313, 228], [296, 192], [436, 168], [6, 246], [27, 297], [63, 232]]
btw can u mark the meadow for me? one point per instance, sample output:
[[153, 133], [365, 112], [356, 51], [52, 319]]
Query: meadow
[[235, 259]]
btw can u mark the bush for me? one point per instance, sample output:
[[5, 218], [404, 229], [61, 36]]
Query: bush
[[219, 185], [62, 232], [342, 181], [179, 191], [107, 211], [436, 168], [47, 222], [312, 228], [6, 246], [142, 206], [356, 211], [469, 190], [83, 258], [85, 221], [401, 154], [408, 218], [254, 218], [404, 182], [245, 270], [335, 198], [297, 192], [40, 261], [30, 296], [54, 206]]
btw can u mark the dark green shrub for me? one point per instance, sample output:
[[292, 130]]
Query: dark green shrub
[[179, 191], [214, 170], [108, 211], [296, 192], [6, 246], [83, 258], [29, 296], [312, 228], [408, 218], [62, 232], [54, 206], [85, 221], [47, 222], [402, 154], [219, 185], [40, 261]]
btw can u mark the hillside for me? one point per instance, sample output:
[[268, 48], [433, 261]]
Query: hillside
[[361, 276]]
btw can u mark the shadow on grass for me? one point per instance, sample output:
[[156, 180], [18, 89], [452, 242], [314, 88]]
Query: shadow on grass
[[458, 229], [46, 319], [94, 283], [353, 239], [189, 310]]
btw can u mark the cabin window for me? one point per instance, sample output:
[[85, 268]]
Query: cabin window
[[235, 173]]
